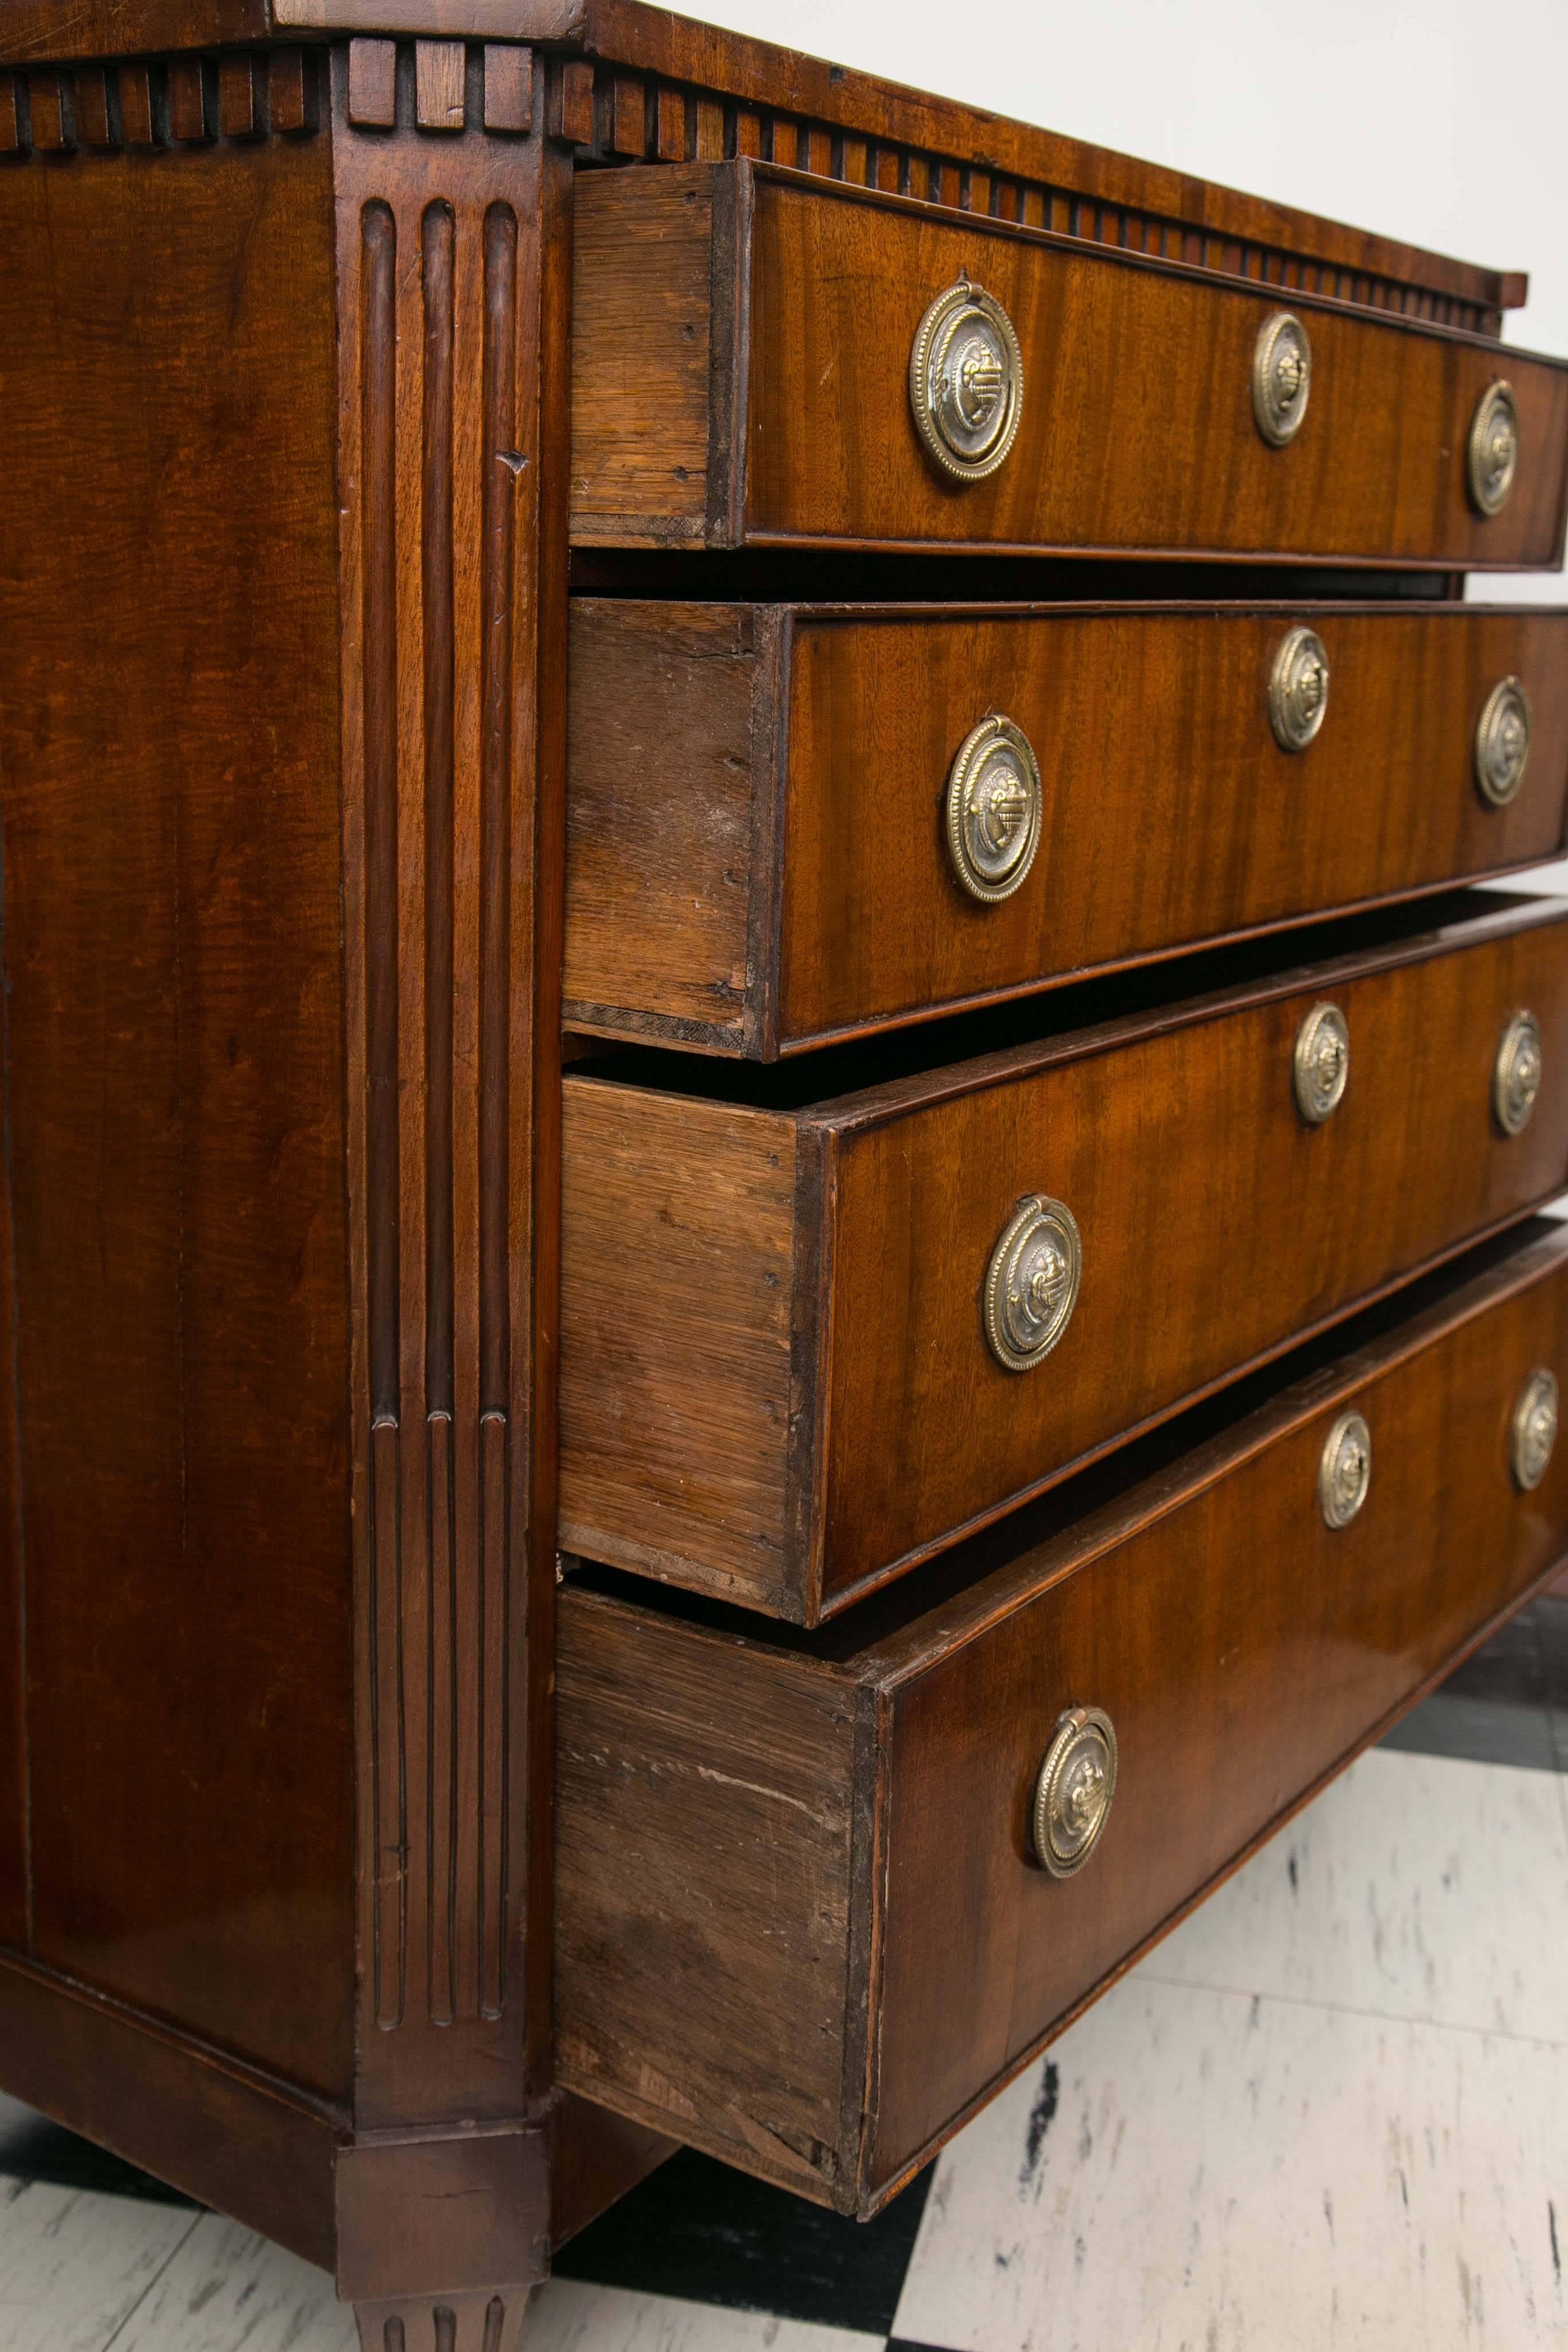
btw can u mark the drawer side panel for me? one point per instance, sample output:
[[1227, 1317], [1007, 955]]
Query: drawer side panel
[[703, 1859], [641, 353], [660, 821], [677, 1288]]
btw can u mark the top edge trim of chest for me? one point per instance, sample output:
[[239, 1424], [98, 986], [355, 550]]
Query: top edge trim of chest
[[881, 132], [745, 372]]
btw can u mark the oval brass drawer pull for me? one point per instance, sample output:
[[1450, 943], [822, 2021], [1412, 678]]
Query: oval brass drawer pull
[[1298, 688], [1321, 1062], [1282, 377], [994, 809], [1074, 1792], [1503, 741], [1031, 1283], [1491, 458], [1534, 1432], [966, 382], [1516, 1077], [1345, 1470]]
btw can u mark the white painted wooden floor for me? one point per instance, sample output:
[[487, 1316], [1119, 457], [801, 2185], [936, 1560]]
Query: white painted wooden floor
[[1329, 2114]]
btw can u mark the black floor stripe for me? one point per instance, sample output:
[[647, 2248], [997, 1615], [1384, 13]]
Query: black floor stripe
[[32, 2149], [698, 2229], [1507, 1705]]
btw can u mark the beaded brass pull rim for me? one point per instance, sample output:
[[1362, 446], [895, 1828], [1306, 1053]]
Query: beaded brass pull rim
[[1298, 688], [1321, 1062], [1345, 1470], [993, 797], [1282, 377], [1032, 1282], [966, 382], [1074, 1790], [1491, 453], [1517, 1074], [1503, 741], [1532, 1433]]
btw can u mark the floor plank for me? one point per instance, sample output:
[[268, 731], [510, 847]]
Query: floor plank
[[228, 2290], [75, 2264], [1195, 2169], [1416, 1886]]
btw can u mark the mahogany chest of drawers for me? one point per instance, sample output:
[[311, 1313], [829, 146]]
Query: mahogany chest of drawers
[[771, 1210]]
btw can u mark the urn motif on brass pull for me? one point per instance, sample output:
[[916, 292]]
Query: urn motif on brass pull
[[1074, 1791], [994, 809], [1533, 1432], [1321, 1062], [1503, 741], [1282, 377], [1492, 454], [1516, 1076], [1031, 1283], [966, 382], [1298, 688], [1345, 1470]]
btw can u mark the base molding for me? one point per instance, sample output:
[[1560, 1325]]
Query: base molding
[[259, 2151], [411, 2222]]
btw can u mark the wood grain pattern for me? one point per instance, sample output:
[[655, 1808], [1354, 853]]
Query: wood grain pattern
[[439, 261], [168, 739], [671, 902], [678, 1455], [241, 98], [711, 2064], [90, 101], [643, 323], [509, 87], [1216, 1227], [868, 134], [741, 96], [193, 100], [835, 284], [16, 1825], [595, 2156], [35, 31], [282, 750], [218, 2129], [416, 2209], [700, 914], [1243, 1650], [238, 94], [440, 70]]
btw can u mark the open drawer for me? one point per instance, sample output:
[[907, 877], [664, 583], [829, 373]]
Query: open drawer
[[802, 1917]]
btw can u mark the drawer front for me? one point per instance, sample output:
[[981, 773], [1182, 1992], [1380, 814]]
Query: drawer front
[[838, 1939], [742, 347], [1216, 1225], [776, 1380], [1162, 808]]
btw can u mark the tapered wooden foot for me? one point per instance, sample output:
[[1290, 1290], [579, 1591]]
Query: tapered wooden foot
[[445, 2323]]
